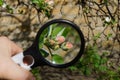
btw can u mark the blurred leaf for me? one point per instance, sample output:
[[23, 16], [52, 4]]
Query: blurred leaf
[[35, 1], [103, 68], [9, 9], [73, 68], [105, 1], [97, 56], [114, 21], [36, 73], [105, 53], [1, 2], [96, 65], [97, 36], [44, 53], [103, 60], [87, 71], [109, 35], [57, 59]]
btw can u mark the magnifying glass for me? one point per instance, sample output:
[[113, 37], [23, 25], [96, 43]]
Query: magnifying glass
[[59, 43]]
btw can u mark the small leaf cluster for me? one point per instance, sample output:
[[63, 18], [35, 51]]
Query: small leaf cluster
[[6, 7], [42, 6], [91, 63], [109, 75]]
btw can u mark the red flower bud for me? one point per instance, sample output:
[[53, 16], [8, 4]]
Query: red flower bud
[[69, 45], [66, 46], [52, 42], [60, 39]]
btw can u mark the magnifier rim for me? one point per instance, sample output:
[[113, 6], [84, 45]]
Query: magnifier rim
[[80, 35]]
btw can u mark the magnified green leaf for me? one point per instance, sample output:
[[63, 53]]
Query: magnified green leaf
[[66, 31], [57, 59], [42, 36], [61, 32], [56, 31], [44, 52], [50, 31]]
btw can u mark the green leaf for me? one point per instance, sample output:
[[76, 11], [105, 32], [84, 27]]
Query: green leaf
[[102, 68], [96, 65], [56, 30], [35, 1], [1, 2], [50, 31], [73, 68], [103, 60], [9, 9], [61, 32], [114, 21], [57, 59], [66, 31], [87, 71], [105, 1], [44, 52], [109, 35], [97, 36], [97, 56], [35, 70]]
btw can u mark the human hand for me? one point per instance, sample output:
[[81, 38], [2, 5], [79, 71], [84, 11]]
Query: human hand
[[8, 69]]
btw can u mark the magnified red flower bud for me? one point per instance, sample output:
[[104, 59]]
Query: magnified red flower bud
[[60, 39], [52, 42], [66, 46], [69, 45]]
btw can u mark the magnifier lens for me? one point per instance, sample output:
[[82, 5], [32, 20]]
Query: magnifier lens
[[59, 43]]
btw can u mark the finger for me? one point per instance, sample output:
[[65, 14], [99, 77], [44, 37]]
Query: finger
[[11, 71], [15, 49]]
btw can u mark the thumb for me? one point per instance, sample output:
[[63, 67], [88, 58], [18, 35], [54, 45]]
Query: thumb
[[12, 71]]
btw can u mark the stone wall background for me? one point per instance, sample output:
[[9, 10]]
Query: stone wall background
[[23, 21]]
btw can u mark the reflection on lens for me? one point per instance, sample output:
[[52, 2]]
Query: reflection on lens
[[59, 43]]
